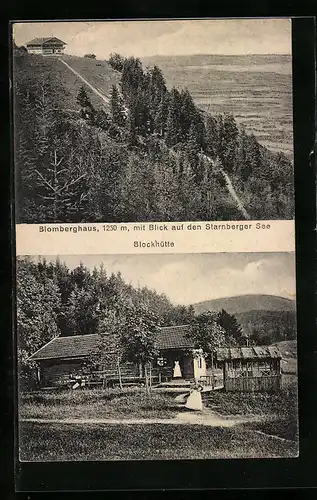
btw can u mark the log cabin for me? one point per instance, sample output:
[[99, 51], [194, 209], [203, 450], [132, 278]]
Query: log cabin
[[66, 358]]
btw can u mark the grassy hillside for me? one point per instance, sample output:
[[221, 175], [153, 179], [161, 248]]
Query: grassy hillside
[[66, 83], [245, 303], [98, 73]]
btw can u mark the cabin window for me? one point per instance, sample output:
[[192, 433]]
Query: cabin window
[[265, 368], [240, 369], [200, 362]]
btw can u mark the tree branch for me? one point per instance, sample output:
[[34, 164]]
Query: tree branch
[[44, 180], [71, 183]]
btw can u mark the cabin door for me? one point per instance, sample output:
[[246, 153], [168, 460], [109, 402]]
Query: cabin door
[[188, 366]]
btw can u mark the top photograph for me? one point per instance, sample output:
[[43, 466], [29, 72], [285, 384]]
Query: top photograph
[[140, 121]]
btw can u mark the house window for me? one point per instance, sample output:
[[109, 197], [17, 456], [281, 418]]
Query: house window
[[200, 362]]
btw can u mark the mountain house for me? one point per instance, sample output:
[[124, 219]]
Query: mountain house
[[46, 46], [65, 358]]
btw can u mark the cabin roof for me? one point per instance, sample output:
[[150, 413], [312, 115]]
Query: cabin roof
[[174, 337], [43, 40], [256, 352], [75, 346], [80, 346]]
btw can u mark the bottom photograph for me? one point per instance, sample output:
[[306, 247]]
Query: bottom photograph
[[172, 357]]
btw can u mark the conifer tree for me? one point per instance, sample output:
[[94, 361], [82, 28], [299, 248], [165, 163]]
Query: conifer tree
[[244, 167], [231, 326], [116, 61], [132, 76], [58, 189], [188, 112], [160, 116], [192, 149], [211, 136], [172, 133], [102, 119], [117, 107], [229, 132], [253, 155], [82, 98], [157, 89]]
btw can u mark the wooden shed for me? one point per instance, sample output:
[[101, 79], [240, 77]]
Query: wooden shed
[[251, 369]]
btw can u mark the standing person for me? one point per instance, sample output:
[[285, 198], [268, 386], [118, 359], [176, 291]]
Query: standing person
[[194, 401], [177, 370]]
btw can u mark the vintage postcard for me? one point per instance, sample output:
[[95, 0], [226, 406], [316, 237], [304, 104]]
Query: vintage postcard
[[155, 240], [157, 357]]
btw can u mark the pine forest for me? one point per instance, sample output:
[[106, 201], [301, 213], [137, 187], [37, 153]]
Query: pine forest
[[147, 154]]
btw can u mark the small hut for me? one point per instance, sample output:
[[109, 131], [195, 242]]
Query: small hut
[[250, 369]]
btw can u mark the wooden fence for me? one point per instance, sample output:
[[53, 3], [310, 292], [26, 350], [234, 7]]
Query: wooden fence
[[253, 384], [112, 377]]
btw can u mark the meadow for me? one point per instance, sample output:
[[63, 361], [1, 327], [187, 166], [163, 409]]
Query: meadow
[[269, 429], [51, 442], [256, 89]]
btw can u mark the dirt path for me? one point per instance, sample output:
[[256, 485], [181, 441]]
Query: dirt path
[[234, 194], [230, 187], [103, 97], [183, 418]]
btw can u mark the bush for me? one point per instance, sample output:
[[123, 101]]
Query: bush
[[27, 372], [90, 56]]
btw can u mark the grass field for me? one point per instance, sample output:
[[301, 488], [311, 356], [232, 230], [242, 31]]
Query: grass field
[[257, 90], [270, 432], [53, 442], [97, 403]]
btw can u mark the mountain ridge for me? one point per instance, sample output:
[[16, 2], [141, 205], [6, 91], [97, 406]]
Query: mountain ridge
[[245, 303]]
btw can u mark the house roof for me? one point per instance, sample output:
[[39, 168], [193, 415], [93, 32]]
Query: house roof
[[80, 346], [174, 337], [264, 352], [41, 41], [75, 346]]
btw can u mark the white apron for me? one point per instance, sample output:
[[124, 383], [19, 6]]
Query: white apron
[[177, 370]]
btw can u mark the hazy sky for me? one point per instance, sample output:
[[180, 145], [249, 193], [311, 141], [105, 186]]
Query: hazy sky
[[192, 278], [146, 38]]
